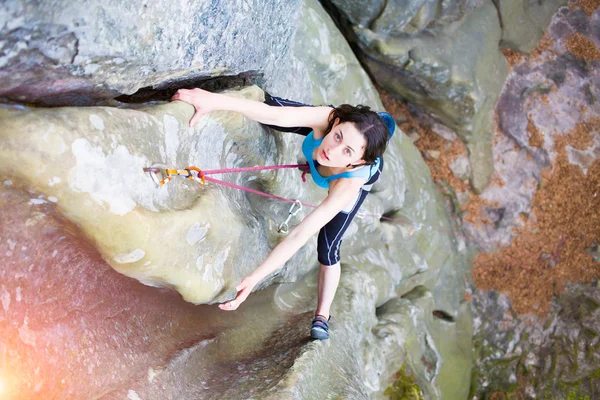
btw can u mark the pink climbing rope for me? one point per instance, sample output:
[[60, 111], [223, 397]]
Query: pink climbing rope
[[303, 167], [202, 176], [258, 192], [255, 168]]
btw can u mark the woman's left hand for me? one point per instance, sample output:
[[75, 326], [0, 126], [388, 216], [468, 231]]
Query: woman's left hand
[[200, 99]]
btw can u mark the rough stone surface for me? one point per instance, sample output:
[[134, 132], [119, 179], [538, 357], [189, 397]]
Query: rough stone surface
[[444, 57], [434, 357], [68, 317], [554, 358], [548, 112], [449, 64], [200, 241], [460, 167], [551, 94], [128, 219], [545, 97], [81, 52], [524, 22]]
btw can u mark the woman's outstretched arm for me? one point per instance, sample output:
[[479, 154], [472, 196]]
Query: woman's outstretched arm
[[341, 192], [204, 102]]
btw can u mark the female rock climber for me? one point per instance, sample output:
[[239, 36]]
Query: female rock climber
[[344, 148]]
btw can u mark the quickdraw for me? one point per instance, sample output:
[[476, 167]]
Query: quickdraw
[[283, 227], [158, 169]]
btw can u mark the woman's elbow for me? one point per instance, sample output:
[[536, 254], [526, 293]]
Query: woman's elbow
[[300, 235]]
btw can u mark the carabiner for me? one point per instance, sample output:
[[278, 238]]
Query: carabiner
[[283, 227], [158, 169], [200, 178]]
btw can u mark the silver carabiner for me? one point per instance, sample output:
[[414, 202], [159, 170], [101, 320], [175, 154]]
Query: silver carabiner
[[155, 170], [283, 227]]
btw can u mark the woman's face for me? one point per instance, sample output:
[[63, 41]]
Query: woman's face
[[342, 146]]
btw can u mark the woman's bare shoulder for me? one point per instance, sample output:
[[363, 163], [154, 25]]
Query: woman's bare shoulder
[[346, 185]]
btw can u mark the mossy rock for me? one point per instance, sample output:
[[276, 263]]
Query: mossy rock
[[405, 387]]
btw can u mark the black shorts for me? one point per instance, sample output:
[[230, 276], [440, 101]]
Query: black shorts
[[330, 235]]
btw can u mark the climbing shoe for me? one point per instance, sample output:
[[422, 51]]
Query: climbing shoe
[[320, 327]]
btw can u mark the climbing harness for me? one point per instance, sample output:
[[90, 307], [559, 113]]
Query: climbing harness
[[283, 227]]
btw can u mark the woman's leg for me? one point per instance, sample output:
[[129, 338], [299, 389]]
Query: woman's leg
[[329, 279], [328, 254]]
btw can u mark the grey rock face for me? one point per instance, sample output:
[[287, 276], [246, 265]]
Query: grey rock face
[[360, 13], [444, 57], [78, 53], [200, 241], [557, 355], [524, 22], [543, 100], [460, 167], [441, 351], [543, 97], [404, 18], [71, 326]]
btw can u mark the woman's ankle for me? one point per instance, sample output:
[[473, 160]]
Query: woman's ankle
[[322, 314]]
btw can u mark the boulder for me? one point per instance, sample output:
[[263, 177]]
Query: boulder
[[546, 95], [524, 22], [82, 52], [444, 57], [557, 352], [84, 166]]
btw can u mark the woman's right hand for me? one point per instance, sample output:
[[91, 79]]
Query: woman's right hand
[[202, 101], [244, 289]]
